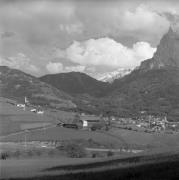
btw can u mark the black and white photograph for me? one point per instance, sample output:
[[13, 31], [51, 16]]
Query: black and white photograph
[[89, 89]]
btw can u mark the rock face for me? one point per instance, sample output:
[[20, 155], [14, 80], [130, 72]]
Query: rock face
[[167, 54]]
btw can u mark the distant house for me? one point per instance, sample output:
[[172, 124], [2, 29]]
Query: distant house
[[40, 112], [84, 121], [26, 101], [21, 105], [90, 121], [33, 110], [73, 123]]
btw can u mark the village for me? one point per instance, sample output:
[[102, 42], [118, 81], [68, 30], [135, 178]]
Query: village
[[144, 122]]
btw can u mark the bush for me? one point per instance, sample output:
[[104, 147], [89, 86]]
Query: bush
[[4, 155], [93, 155], [110, 153], [97, 126], [75, 151]]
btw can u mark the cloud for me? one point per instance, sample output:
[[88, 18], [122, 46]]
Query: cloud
[[72, 28], [143, 18], [58, 67], [77, 68], [143, 50], [20, 61], [107, 52], [40, 26], [54, 67], [120, 20]]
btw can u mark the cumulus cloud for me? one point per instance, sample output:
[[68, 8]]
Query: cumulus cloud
[[54, 67], [20, 61], [77, 68], [40, 26], [107, 52], [58, 67]]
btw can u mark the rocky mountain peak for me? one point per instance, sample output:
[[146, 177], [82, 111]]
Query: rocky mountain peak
[[167, 54]]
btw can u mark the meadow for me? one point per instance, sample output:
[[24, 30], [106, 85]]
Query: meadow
[[154, 166], [14, 119], [25, 149]]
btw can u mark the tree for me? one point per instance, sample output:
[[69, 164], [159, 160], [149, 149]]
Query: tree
[[75, 151], [4, 155], [110, 153]]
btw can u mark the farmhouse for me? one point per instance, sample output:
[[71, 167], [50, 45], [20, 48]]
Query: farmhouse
[[40, 112], [21, 105], [74, 123], [84, 122], [33, 110], [90, 121]]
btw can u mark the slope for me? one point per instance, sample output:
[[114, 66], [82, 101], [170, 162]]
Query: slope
[[15, 84], [76, 83]]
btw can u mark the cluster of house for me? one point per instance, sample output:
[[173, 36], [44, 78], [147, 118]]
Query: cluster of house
[[27, 104], [150, 122], [155, 123], [93, 122]]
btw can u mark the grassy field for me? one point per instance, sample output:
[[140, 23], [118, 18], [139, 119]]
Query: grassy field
[[116, 138], [146, 139], [14, 119], [158, 166], [61, 134]]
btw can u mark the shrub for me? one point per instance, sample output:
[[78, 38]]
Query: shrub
[[4, 155], [110, 153], [75, 151], [93, 155], [97, 126]]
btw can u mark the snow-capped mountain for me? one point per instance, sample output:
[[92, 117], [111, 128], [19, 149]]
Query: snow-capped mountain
[[111, 76]]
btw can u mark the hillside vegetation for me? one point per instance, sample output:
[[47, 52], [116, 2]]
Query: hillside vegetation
[[15, 84]]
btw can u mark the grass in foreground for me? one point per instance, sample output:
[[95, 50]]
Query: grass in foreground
[[156, 167]]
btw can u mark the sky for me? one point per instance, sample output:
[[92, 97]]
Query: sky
[[52, 36]]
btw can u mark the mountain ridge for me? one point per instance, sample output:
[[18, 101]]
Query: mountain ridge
[[152, 87], [15, 84], [76, 83]]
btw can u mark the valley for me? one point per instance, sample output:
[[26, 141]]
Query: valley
[[82, 126]]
